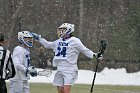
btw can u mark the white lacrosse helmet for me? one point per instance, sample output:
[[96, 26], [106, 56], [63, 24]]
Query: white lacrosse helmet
[[22, 38], [65, 28]]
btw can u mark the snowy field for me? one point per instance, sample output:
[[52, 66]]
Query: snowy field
[[107, 76]]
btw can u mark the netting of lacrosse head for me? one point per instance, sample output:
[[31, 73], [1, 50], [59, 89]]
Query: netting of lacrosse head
[[45, 72]]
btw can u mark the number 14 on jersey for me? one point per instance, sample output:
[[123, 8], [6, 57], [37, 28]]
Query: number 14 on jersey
[[61, 51]]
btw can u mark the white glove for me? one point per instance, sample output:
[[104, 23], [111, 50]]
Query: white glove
[[100, 57], [32, 71]]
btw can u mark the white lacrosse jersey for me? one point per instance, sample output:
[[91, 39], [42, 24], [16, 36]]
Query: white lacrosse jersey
[[21, 60], [66, 52]]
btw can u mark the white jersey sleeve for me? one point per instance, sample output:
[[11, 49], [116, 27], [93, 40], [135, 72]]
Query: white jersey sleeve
[[47, 44], [87, 52]]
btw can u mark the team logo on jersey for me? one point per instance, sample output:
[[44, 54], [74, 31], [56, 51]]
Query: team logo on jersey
[[63, 44]]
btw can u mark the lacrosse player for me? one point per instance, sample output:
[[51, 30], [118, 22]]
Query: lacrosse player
[[21, 58], [67, 49]]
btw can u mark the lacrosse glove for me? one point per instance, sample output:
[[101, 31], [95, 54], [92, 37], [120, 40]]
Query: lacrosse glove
[[98, 56], [32, 71], [36, 36]]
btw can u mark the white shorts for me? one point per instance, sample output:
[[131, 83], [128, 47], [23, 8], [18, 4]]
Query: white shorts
[[19, 86], [65, 78]]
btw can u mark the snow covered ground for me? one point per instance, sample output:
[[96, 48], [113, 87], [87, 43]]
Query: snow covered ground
[[107, 76]]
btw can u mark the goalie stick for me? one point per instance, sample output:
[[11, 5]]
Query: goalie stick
[[46, 72], [101, 51]]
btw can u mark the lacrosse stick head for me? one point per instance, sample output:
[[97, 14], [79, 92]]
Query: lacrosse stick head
[[46, 72], [102, 47]]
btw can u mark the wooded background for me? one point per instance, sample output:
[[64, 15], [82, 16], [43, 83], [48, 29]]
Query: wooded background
[[115, 21]]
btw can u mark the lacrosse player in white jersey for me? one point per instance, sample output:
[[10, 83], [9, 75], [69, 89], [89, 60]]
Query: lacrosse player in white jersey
[[21, 58], [67, 49]]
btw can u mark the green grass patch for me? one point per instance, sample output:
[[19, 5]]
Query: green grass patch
[[81, 88]]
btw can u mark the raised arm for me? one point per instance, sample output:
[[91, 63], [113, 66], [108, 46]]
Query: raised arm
[[44, 42]]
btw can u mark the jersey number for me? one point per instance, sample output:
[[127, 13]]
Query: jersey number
[[61, 51]]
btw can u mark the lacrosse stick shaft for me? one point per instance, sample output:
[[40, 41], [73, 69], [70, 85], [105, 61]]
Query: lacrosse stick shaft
[[93, 82]]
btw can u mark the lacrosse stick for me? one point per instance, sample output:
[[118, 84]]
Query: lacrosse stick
[[46, 72], [101, 51]]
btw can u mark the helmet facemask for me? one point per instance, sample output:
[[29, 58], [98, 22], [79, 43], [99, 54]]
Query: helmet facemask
[[25, 37], [61, 32], [28, 41]]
